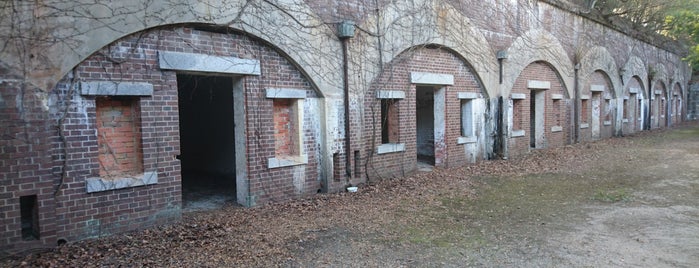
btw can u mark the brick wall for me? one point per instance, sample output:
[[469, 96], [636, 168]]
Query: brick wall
[[25, 165], [557, 112], [396, 77]]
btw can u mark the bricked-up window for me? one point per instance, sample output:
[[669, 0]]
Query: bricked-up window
[[286, 134], [662, 107], [466, 118], [625, 112], [557, 112], [287, 116], [518, 113], [389, 121], [119, 136], [607, 110]]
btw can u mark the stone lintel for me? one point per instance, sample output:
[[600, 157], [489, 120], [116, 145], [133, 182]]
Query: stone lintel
[[431, 78], [115, 88], [207, 63], [285, 93]]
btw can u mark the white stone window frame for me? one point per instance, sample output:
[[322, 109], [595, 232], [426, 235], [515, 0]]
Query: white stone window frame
[[126, 89], [386, 148], [467, 100], [297, 96]]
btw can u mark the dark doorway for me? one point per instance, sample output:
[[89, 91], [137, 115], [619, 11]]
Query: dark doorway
[[424, 115], [207, 141]]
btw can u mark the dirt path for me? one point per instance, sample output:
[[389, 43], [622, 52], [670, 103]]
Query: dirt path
[[631, 202]]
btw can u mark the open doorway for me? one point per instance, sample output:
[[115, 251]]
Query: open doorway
[[207, 140], [424, 116]]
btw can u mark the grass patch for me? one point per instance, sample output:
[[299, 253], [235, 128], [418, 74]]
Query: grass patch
[[612, 196]]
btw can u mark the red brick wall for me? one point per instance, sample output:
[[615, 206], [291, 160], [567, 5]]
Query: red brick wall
[[598, 78], [397, 77], [658, 110], [25, 165], [32, 155], [557, 112], [118, 137], [283, 128]]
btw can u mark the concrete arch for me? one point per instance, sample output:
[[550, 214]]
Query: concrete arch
[[102, 25], [439, 24], [659, 73], [599, 59], [533, 46], [635, 67]]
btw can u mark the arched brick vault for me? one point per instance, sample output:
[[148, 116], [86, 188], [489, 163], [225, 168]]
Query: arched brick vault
[[279, 28], [437, 23], [599, 59], [533, 46], [635, 67]]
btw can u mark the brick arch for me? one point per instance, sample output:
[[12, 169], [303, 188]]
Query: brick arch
[[538, 89], [89, 35], [439, 24], [676, 95], [537, 46], [599, 59]]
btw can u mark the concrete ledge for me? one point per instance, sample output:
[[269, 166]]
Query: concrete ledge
[[99, 184], [536, 84], [285, 93], [390, 148], [431, 78], [518, 96], [556, 96], [634, 90], [626, 97], [625, 120], [584, 125], [114, 88], [607, 123], [468, 95], [465, 140], [287, 161], [658, 92], [390, 94], [597, 88], [517, 133], [207, 63], [556, 129], [584, 97]]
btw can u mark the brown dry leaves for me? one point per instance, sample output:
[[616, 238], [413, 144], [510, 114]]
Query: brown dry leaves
[[269, 235]]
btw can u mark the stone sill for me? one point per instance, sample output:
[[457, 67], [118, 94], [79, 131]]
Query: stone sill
[[390, 148], [466, 140], [99, 184], [556, 129], [517, 133], [607, 123], [584, 125], [625, 120], [287, 161]]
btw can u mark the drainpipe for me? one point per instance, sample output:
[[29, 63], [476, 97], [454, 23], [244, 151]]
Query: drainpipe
[[345, 31], [650, 99], [576, 105]]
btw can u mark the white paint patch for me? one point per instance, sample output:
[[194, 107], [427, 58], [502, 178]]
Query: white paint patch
[[299, 179]]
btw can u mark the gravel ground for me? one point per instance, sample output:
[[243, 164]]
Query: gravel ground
[[628, 202]]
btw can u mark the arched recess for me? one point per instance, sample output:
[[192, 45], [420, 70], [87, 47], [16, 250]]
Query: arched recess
[[533, 46], [658, 97], [599, 59], [288, 25], [635, 68], [438, 23], [428, 106], [676, 102]]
